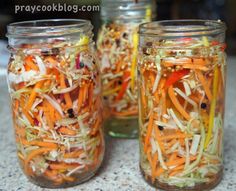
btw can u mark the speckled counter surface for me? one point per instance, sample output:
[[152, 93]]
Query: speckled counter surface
[[120, 170]]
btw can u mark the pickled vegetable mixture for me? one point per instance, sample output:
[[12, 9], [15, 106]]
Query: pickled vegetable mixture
[[117, 50], [182, 87], [56, 107]]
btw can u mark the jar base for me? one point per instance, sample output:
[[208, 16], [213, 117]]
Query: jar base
[[198, 187], [122, 127], [45, 183]]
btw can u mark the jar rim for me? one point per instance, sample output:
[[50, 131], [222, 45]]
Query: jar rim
[[184, 27], [127, 10], [48, 28]]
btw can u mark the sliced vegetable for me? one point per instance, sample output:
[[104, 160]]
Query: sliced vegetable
[[57, 112], [181, 111]]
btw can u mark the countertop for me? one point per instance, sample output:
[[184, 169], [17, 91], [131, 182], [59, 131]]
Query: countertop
[[120, 170]]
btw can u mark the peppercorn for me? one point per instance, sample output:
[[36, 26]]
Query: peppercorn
[[55, 51], [118, 42], [45, 52], [125, 35], [70, 111], [203, 105], [120, 82], [81, 64], [138, 73], [161, 128], [146, 51], [149, 43]]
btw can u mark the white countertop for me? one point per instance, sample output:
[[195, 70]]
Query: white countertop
[[120, 170]]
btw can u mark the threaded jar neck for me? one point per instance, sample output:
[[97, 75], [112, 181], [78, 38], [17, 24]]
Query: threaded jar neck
[[182, 28], [128, 10], [45, 31]]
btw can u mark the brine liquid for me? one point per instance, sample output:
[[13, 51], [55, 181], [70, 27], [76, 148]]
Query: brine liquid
[[181, 99], [122, 127], [56, 105], [117, 51]]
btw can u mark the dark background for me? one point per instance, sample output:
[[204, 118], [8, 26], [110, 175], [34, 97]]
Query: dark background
[[166, 9]]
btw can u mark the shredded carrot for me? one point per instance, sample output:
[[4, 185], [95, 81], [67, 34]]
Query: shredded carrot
[[51, 60], [66, 95], [196, 66], [163, 110], [179, 161], [96, 126], [124, 86], [173, 156], [33, 95], [153, 165], [157, 138], [53, 175], [20, 131], [80, 98], [39, 143], [67, 131], [31, 121], [30, 63], [36, 152], [174, 136], [159, 171], [118, 66], [143, 98], [62, 166], [51, 112], [177, 61], [90, 102], [213, 106], [16, 105], [171, 143], [74, 154], [124, 113], [149, 131], [122, 90], [48, 115], [204, 84], [199, 61], [86, 89]]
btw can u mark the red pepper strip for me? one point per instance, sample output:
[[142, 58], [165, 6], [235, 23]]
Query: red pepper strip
[[124, 85], [175, 76], [185, 39], [215, 43], [223, 47], [126, 75]]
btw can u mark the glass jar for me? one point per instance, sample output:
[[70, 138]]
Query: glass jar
[[55, 91], [117, 50], [181, 84]]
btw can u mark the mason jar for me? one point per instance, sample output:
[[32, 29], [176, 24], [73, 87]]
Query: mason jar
[[117, 51], [55, 90], [181, 84]]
